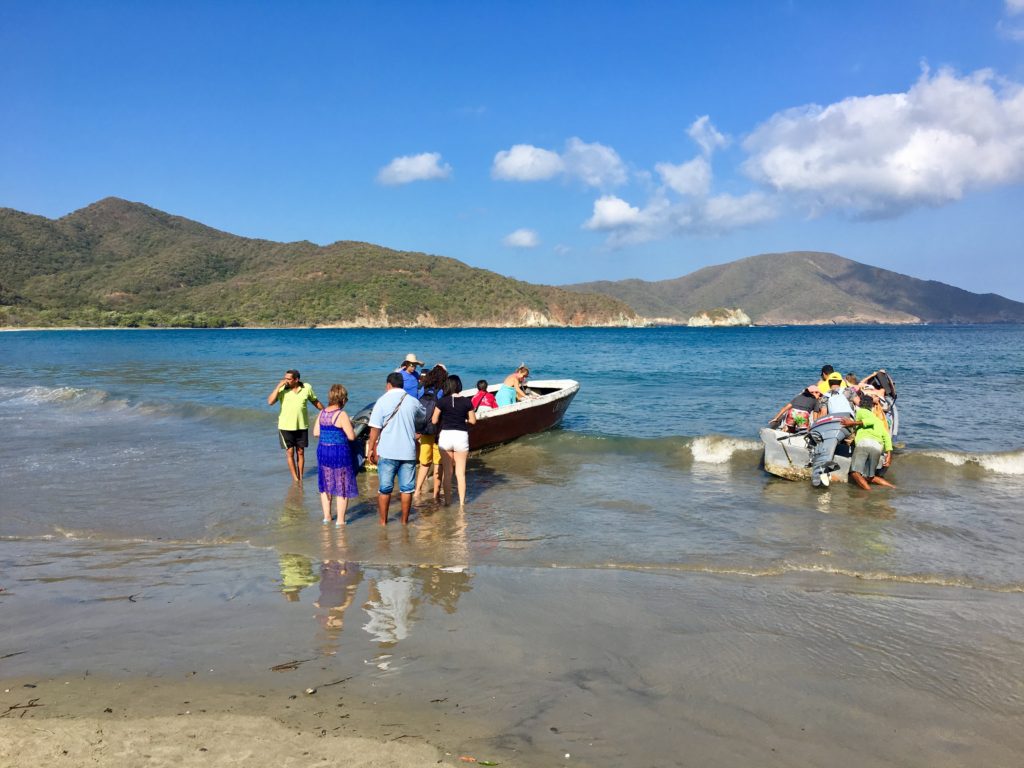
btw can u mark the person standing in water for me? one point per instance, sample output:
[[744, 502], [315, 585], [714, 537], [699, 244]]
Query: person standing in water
[[335, 469], [293, 421], [392, 445], [454, 415]]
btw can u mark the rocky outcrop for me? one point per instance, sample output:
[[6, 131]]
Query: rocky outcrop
[[719, 317]]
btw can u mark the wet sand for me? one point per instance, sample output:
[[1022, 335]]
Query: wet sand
[[515, 665]]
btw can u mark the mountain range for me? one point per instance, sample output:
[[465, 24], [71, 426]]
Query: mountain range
[[119, 263], [808, 288], [125, 264]]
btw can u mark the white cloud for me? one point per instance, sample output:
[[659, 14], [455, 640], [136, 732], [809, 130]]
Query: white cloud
[[1014, 7], [525, 162], [522, 238], [409, 168], [706, 135], [561, 249], [611, 212], [881, 155], [661, 217], [691, 178], [594, 164]]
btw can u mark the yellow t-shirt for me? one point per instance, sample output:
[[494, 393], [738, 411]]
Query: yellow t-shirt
[[293, 407]]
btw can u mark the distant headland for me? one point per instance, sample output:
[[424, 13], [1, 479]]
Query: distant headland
[[117, 263]]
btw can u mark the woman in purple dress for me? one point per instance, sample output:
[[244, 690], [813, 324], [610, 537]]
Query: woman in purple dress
[[335, 471]]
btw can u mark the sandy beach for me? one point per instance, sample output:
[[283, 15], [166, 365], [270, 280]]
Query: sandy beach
[[608, 667]]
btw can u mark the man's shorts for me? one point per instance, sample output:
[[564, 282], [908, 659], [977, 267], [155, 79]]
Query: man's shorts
[[866, 457], [293, 438], [453, 440], [429, 453], [404, 468]]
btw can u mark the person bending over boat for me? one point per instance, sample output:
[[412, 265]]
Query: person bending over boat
[[795, 415], [872, 446], [511, 391], [455, 415], [835, 401]]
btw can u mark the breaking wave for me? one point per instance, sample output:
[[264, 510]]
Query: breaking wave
[[100, 403], [1002, 463], [716, 449]]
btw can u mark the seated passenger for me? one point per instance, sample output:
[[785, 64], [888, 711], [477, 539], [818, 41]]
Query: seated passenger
[[795, 415], [826, 371], [511, 390], [483, 400]]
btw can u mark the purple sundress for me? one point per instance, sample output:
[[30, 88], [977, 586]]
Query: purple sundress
[[334, 458]]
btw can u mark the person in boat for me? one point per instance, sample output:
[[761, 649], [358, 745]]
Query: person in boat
[[872, 446], [455, 415], [826, 371], [511, 391], [795, 415], [483, 400], [428, 452]]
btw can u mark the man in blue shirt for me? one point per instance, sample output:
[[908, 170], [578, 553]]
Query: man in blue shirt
[[411, 379], [392, 445]]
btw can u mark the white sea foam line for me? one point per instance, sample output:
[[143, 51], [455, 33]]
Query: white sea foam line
[[791, 568], [1001, 463], [718, 450]]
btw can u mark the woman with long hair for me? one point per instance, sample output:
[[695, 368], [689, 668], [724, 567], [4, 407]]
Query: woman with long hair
[[335, 471], [454, 414]]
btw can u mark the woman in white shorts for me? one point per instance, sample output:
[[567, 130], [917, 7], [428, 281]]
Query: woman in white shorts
[[454, 414]]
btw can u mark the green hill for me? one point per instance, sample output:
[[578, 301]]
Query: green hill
[[808, 288], [126, 264]]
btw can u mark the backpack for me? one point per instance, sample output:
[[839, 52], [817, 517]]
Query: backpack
[[423, 424]]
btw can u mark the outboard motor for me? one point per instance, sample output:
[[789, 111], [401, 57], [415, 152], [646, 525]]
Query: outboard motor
[[823, 438]]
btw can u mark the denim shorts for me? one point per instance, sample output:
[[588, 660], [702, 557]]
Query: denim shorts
[[406, 469]]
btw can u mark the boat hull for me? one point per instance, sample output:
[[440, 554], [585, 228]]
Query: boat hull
[[788, 456], [502, 425]]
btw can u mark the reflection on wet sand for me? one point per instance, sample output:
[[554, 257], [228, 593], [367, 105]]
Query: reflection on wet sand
[[399, 586], [296, 574], [339, 583]]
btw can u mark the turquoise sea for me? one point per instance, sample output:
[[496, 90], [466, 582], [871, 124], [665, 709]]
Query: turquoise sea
[[145, 463]]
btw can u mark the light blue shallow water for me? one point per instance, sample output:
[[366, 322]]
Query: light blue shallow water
[[146, 435]]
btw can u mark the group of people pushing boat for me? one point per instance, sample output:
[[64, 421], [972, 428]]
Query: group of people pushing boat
[[840, 409], [419, 421]]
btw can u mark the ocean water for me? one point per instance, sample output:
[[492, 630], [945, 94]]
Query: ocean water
[[145, 464]]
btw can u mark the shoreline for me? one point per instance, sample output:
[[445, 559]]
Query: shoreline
[[637, 326]]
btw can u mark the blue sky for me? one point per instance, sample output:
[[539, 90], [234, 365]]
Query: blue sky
[[553, 142]]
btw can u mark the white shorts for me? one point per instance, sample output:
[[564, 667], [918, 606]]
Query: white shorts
[[453, 440]]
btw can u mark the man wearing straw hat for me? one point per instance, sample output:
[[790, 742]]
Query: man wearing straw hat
[[410, 379]]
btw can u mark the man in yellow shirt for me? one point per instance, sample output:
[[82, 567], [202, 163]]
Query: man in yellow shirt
[[293, 421]]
